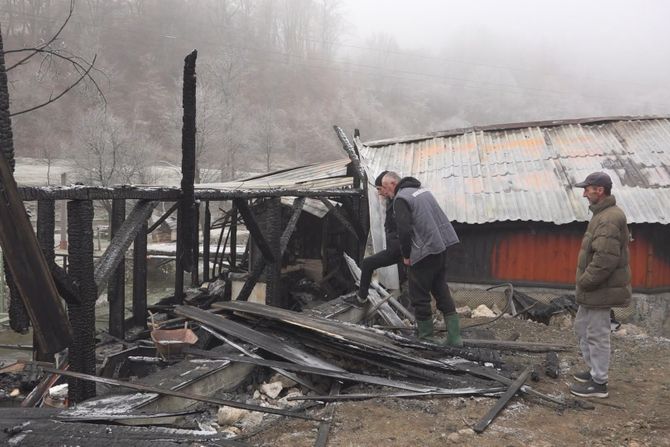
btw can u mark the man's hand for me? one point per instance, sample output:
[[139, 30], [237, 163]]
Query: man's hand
[[405, 261]]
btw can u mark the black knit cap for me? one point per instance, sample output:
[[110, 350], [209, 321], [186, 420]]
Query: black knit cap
[[378, 180]]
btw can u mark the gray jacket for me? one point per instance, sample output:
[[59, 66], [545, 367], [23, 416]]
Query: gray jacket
[[423, 228]]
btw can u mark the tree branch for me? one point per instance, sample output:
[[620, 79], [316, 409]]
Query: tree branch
[[85, 74], [43, 46]]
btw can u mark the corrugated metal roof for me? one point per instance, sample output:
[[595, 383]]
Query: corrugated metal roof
[[327, 175], [527, 171]]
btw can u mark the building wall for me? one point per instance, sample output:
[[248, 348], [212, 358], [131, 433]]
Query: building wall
[[547, 254]]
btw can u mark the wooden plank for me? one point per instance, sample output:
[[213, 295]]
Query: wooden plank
[[29, 268], [153, 389], [116, 250], [502, 402], [207, 224], [509, 345], [162, 219]]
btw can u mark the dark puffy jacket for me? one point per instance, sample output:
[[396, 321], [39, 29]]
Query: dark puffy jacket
[[603, 271]]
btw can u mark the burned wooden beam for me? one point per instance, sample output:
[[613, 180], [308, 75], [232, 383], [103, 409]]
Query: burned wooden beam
[[140, 278], [509, 345], [171, 194], [337, 212], [207, 224], [116, 289], [339, 374], [324, 427], [273, 224], [257, 269], [266, 342], [157, 390], [306, 383], [254, 229], [502, 402], [66, 287], [351, 152], [116, 250], [82, 316], [187, 208], [164, 217], [436, 393], [29, 268]]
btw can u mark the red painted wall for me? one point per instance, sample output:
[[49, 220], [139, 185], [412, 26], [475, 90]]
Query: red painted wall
[[551, 257]]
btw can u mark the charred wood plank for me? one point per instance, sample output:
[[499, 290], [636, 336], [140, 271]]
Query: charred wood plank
[[254, 229], [116, 251], [273, 223], [306, 383], [29, 268], [140, 278], [66, 287], [502, 402], [351, 152], [263, 341], [257, 270], [444, 393], [166, 392], [163, 218], [337, 212], [116, 289], [335, 374], [171, 194], [509, 345], [324, 427], [207, 224]]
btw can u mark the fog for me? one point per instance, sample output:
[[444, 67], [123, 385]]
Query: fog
[[275, 75]]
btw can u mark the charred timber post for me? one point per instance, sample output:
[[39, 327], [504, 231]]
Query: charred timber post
[[254, 230], [273, 224], [195, 279], [359, 172], [188, 135], [46, 225], [82, 317], [140, 278], [205, 243], [117, 283], [233, 237]]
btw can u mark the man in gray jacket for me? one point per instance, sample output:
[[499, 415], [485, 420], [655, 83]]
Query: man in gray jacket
[[603, 281], [425, 233]]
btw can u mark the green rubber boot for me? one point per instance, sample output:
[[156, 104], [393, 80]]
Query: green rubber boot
[[424, 328], [453, 330]]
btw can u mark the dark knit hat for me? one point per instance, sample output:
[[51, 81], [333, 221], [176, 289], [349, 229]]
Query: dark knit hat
[[378, 180]]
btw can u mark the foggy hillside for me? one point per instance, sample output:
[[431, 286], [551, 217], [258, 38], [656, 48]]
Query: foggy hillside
[[274, 76]]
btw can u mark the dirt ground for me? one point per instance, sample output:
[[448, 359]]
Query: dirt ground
[[637, 412]]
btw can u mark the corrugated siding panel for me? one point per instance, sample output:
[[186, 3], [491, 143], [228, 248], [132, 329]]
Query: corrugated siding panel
[[527, 173]]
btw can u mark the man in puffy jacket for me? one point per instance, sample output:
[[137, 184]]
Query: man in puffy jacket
[[425, 233], [603, 281], [389, 256]]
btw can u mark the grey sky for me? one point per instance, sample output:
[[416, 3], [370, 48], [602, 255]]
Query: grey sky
[[598, 34]]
